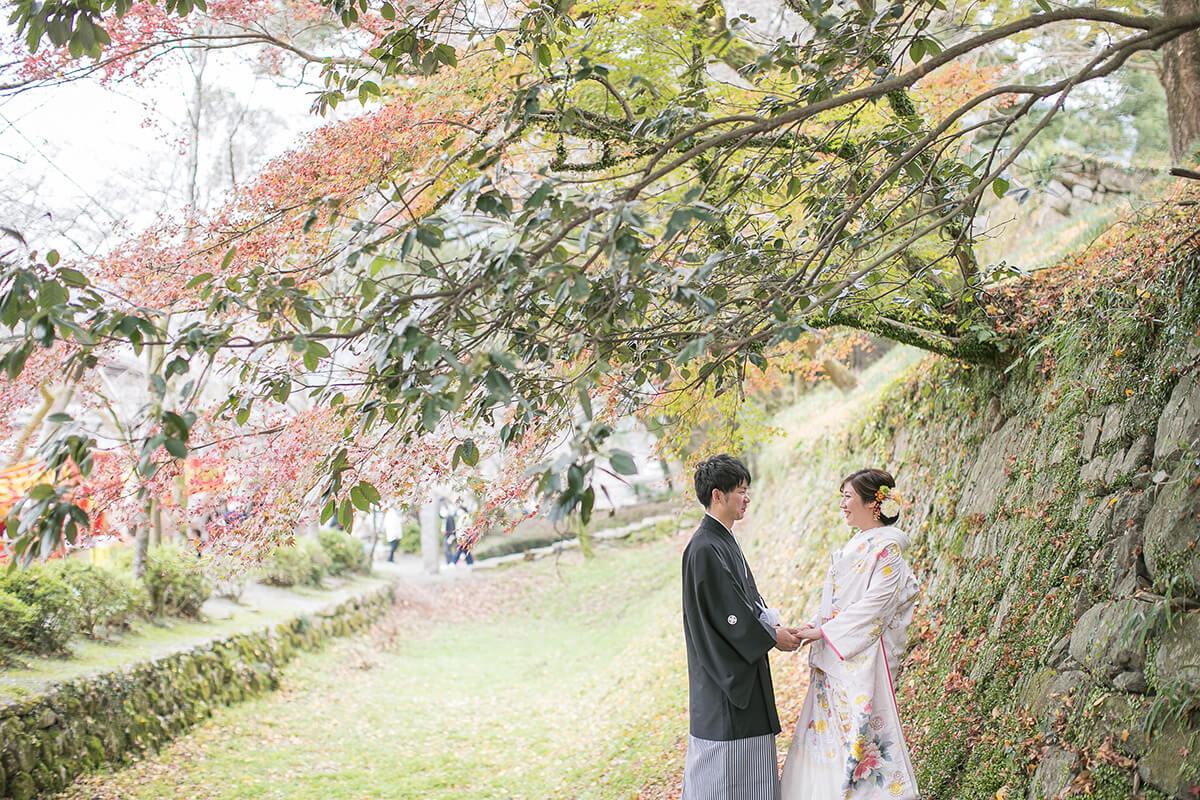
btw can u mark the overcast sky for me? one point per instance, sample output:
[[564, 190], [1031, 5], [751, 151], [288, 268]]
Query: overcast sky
[[82, 162]]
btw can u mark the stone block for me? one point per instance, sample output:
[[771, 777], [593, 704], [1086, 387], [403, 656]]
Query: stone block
[[986, 478], [1129, 512], [1123, 716], [1133, 681], [1179, 422], [1099, 526], [1091, 435], [1082, 503], [1172, 540], [1094, 473], [1111, 427], [22, 787], [1107, 639], [1170, 763], [1059, 453], [1057, 188], [1138, 455], [1127, 583], [1051, 694], [1177, 662], [1053, 775], [1080, 179], [1118, 180]]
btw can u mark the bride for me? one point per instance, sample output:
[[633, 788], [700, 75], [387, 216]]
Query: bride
[[848, 744]]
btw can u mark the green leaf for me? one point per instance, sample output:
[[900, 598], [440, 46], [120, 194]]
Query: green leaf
[[499, 42], [622, 463], [586, 501], [470, 452], [176, 448], [388, 12], [41, 491], [693, 349], [574, 479], [917, 50], [369, 492], [543, 55], [73, 277], [228, 259], [1000, 187], [356, 497], [499, 385]]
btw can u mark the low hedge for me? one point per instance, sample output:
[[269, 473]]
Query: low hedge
[[175, 586], [105, 598], [345, 552], [45, 613], [301, 564], [104, 720]]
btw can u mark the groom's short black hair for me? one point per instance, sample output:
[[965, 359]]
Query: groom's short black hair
[[722, 472]]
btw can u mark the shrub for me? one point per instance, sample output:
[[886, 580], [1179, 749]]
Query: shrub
[[105, 597], [54, 608], [344, 551], [175, 583], [303, 563], [410, 540], [16, 617]]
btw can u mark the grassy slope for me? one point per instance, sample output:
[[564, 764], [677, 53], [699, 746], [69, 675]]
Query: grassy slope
[[549, 680]]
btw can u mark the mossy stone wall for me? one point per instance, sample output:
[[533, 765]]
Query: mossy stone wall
[[104, 720], [1056, 533]]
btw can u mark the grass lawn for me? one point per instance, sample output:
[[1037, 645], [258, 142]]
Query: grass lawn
[[561, 678]]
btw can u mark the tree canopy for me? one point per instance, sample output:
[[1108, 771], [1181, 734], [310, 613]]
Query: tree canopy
[[548, 215]]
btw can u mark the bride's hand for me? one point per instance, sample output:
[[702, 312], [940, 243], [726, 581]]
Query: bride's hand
[[808, 634]]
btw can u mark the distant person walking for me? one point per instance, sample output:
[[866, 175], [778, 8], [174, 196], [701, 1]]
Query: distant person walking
[[450, 545], [393, 531]]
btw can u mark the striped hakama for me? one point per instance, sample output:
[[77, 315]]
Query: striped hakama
[[741, 769]]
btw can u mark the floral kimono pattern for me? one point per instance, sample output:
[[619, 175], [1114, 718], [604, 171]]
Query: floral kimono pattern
[[848, 744]]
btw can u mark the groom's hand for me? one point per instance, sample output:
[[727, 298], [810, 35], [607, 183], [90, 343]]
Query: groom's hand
[[787, 639]]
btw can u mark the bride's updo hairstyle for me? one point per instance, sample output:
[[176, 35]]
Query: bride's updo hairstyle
[[866, 483]]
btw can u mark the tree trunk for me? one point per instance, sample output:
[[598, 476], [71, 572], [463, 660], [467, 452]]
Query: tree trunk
[[585, 539], [1180, 77], [156, 523], [842, 378], [141, 544], [197, 61], [431, 538]]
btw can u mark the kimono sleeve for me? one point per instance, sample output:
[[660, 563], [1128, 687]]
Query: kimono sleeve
[[860, 624], [727, 634]]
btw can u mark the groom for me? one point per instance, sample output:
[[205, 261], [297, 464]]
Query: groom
[[728, 630]]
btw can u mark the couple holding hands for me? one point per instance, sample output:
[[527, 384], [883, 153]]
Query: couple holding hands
[[848, 744]]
